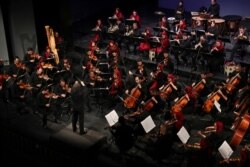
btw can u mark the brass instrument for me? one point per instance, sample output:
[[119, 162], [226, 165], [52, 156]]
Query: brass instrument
[[52, 42]]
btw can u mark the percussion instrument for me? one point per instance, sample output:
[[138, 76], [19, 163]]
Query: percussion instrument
[[220, 23], [160, 13], [229, 67], [232, 22], [197, 18], [171, 20]]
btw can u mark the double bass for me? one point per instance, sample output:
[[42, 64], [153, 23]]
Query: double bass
[[209, 103]]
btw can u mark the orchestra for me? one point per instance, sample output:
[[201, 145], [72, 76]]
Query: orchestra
[[149, 85]]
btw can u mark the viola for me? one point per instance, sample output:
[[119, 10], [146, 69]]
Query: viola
[[180, 104], [209, 103], [130, 101]]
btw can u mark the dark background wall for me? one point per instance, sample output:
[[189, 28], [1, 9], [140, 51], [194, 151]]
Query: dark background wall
[[238, 7]]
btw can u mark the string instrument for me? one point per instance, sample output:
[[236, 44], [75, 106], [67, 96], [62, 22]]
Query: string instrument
[[115, 86], [149, 104], [166, 90], [240, 131], [209, 103], [48, 66], [52, 42], [233, 82], [199, 87], [130, 101], [23, 85], [180, 104]]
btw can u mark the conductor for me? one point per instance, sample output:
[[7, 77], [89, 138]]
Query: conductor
[[79, 96]]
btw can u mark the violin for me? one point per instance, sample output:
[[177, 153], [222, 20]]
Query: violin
[[180, 104], [24, 86], [209, 103], [232, 84], [130, 101]]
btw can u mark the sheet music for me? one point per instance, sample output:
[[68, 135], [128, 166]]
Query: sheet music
[[217, 105], [112, 118], [225, 150], [148, 124], [183, 135]]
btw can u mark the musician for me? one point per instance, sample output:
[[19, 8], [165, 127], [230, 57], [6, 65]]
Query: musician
[[39, 79], [179, 12], [98, 29], [62, 91], [144, 46], [80, 97], [214, 9], [179, 28], [112, 47], [166, 61], [17, 69], [184, 43], [140, 70], [60, 44], [30, 59], [164, 43], [241, 40], [135, 16], [216, 60], [118, 14], [163, 24], [199, 27], [245, 156], [212, 33], [123, 134], [128, 33]]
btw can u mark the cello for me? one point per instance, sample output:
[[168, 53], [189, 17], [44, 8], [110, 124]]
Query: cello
[[240, 131], [209, 103], [180, 104], [231, 85], [199, 87], [130, 101], [166, 90]]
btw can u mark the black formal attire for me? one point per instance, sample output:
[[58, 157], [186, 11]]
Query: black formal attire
[[214, 10]]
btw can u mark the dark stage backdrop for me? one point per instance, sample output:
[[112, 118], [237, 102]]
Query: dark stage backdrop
[[228, 7]]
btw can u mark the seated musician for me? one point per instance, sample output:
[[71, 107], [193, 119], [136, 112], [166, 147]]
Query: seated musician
[[164, 43], [214, 9], [201, 47], [166, 61], [123, 134], [118, 14], [179, 12], [216, 60], [163, 24], [140, 70], [112, 47], [199, 26], [141, 86], [62, 91], [241, 40], [30, 59], [212, 33], [98, 29], [93, 47], [179, 28], [135, 16], [182, 45], [144, 46], [39, 79], [17, 69]]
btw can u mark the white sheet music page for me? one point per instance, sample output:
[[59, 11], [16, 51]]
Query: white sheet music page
[[217, 105], [183, 135], [112, 118], [148, 124], [225, 150]]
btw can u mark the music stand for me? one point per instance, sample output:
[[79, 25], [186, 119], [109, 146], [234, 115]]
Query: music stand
[[130, 22], [224, 40]]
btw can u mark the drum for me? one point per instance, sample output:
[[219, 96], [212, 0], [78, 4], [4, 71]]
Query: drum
[[232, 22], [197, 18], [171, 20], [151, 55], [220, 23], [229, 68]]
